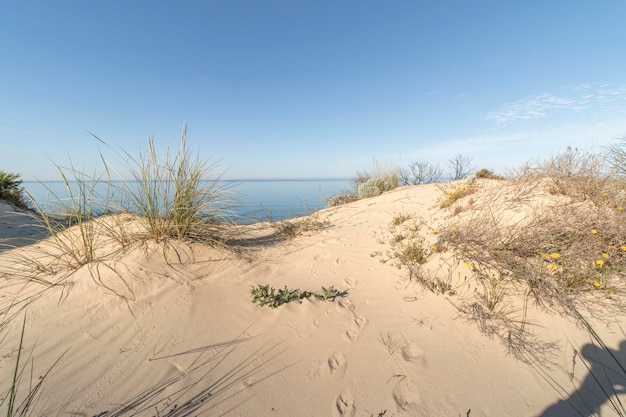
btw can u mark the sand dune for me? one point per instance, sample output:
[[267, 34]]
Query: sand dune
[[175, 333]]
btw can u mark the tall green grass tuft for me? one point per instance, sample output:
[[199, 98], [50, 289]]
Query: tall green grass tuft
[[179, 196]]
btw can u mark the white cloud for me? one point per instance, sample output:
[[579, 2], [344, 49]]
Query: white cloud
[[530, 108], [603, 97]]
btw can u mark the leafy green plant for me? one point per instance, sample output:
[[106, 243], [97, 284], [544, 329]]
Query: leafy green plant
[[264, 295]]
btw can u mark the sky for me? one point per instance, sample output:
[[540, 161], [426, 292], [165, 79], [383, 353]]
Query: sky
[[308, 88]]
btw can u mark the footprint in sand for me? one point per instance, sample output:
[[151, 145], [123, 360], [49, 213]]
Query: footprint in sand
[[405, 395], [337, 363], [411, 352], [345, 405], [351, 282], [358, 324]]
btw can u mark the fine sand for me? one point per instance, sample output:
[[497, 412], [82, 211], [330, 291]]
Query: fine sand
[[156, 332]]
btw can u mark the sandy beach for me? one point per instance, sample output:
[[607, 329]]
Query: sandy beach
[[173, 331]]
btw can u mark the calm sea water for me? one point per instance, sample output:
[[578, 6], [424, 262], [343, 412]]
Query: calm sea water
[[253, 200]]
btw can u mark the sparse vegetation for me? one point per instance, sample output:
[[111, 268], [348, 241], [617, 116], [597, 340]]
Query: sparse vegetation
[[292, 228]]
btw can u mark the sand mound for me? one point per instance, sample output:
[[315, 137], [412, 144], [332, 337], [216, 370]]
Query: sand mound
[[175, 333]]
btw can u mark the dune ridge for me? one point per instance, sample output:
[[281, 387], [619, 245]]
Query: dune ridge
[[156, 332]]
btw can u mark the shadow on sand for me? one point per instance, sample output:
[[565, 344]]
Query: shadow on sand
[[606, 378], [207, 383]]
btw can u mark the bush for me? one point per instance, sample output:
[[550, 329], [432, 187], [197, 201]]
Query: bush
[[340, 199], [10, 188], [487, 174], [371, 188]]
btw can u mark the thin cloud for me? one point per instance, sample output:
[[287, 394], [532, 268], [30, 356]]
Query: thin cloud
[[531, 108], [605, 97]]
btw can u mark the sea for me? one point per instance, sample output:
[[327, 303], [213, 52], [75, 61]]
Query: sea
[[249, 201]]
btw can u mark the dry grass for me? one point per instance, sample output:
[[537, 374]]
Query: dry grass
[[552, 237]]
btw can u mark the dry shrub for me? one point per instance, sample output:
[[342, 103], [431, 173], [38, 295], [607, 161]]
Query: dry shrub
[[453, 193], [292, 228]]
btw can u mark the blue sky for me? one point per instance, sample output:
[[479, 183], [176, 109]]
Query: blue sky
[[303, 88]]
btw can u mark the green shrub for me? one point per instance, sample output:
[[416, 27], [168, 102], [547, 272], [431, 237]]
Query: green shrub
[[371, 188], [10, 188], [340, 199]]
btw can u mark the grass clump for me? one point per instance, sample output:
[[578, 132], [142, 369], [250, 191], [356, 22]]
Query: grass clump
[[485, 173], [178, 196], [264, 295], [291, 228]]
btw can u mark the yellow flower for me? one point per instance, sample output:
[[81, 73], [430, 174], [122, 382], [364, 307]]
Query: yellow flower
[[555, 255], [543, 255], [453, 229], [605, 194], [600, 262], [448, 195], [623, 248], [594, 232], [620, 209], [553, 267], [469, 265], [435, 231], [596, 284], [605, 255], [433, 247]]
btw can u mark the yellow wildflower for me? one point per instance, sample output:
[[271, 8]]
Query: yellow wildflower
[[620, 209], [435, 231], [453, 229], [596, 284], [553, 267], [555, 255], [469, 265], [433, 247], [605, 194], [448, 195], [594, 232], [623, 248], [600, 262], [605, 255]]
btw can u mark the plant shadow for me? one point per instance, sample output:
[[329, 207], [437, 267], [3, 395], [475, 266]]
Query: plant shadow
[[605, 380], [207, 383]]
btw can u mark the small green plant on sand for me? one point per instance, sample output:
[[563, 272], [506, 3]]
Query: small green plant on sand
[[264, 295]]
